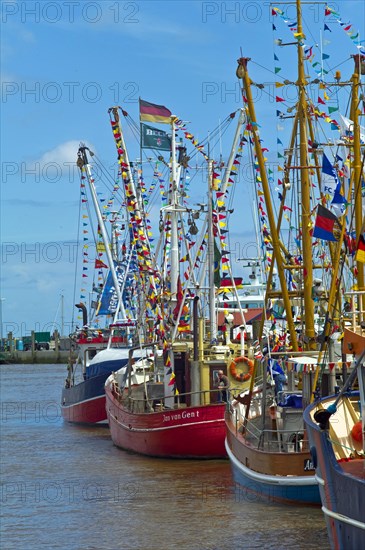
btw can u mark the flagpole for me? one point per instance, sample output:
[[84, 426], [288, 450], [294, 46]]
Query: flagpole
[[140, 142], [357, 166], [212, 315], [173, 204], [138, 231], [242, 73]]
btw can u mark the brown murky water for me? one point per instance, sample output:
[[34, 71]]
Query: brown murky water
[[66, 487]]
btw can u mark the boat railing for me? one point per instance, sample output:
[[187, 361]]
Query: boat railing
[[142, 404], [276, 441], [356, 311], [219, 352]]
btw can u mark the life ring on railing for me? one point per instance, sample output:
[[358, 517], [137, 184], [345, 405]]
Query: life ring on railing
[[241, 376]]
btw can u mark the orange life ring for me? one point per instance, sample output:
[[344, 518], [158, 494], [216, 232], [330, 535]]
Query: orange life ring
[[241, 376]]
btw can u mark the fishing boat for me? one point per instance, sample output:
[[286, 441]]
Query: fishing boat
[[267, 442], [170, 407], [335, 421], [336, 429], [99, 351], [83, 397], [146, 419]]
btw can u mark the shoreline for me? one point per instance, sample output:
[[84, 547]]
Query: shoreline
[[36, 357]]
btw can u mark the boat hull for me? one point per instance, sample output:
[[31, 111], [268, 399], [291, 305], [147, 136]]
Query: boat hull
[[342, 493], [191, 432], [84, 403], [271, 483]]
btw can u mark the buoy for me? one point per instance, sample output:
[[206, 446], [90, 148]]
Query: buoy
[[356, 431]]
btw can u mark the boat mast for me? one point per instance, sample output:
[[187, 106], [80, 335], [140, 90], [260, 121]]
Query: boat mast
[[83, 162], [354, 115], [243, 74], [139, 235], [174, 270], [212, 314], [307, 276]]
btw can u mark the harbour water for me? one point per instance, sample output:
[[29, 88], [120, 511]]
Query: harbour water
[[67, 487]]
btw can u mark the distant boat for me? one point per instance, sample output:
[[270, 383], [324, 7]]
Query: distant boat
[[83, 399]]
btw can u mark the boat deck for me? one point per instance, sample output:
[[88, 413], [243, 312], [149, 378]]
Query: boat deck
[[354, 467]]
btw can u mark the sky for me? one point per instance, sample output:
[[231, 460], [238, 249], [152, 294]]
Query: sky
[[64, 63]]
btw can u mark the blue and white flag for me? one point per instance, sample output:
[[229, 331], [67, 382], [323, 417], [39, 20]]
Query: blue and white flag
[[332, 186]]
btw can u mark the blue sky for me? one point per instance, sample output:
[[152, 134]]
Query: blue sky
[[65, 63]]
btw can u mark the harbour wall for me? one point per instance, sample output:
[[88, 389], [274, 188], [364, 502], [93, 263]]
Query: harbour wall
[[37, 357]]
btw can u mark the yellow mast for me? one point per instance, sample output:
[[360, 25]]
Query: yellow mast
[[286, 185], [243, 74], [355, 183], [305, 191], [354, 115]]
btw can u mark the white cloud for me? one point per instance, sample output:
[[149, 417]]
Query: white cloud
[[64, 153], [59, 161]]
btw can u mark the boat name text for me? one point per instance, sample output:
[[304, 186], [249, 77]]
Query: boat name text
[[180, 416]]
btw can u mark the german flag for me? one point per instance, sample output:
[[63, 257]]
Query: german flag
[[360, 250], [150, 112]]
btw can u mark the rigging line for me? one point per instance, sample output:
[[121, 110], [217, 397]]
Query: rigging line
[[133, 125], [331, 321], [215, 132], [94, 271], [154, 195], [157, 157], [218, 131], [103, 169], [109, 177], [135, 129], [213, 135], [308, 29], [266, 69], [222, 127], [76, 258], [358, 187], [255, 198], [111, 181], [320, 50], [340, 277], [342, 62], [90, 217]]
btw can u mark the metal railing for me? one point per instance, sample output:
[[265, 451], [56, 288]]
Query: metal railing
[[157, 403], [357, 300], [276, 441]]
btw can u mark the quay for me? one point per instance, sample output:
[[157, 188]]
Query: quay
[[54, 350], [36, 357]]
